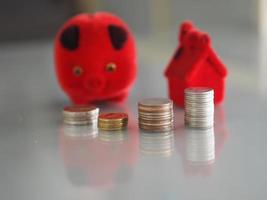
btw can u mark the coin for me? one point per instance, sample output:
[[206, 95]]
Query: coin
[[80, 114], [113, 116], [112, 121], [198, 91], [155, 102], [76, 109], [199, 107], [156, 129], [155, 114]]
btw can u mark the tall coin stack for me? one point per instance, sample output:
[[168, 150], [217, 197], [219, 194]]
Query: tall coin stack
[[80, 115], [155, 115], [199, 107], [112, 121]]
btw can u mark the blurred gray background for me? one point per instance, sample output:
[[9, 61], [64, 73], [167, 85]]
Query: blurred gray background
[[35, 19]]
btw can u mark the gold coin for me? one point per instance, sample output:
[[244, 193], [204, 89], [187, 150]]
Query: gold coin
[[123, 121], [112, 121], [112, 128], [113, 117]]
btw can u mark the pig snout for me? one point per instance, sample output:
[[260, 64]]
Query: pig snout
[[95, 83]]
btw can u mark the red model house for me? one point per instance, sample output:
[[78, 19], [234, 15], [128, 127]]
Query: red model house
[[195, 64]]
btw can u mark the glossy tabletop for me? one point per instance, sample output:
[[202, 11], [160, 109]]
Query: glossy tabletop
[[43, 159]]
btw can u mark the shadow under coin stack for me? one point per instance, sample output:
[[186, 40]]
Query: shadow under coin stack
[[112, 121], [155, 115], [80, 115], [199, 107]]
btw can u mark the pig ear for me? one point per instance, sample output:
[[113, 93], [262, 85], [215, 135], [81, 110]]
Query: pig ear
[[69, 37], [118, 36]]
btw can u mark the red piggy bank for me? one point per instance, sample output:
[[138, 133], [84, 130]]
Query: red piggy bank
[[95, 58]]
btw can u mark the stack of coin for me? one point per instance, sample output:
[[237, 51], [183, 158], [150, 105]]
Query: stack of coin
[[155, 114], [199, 107], [112, 121], [80, 115]]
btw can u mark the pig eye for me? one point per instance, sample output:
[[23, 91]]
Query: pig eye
[[77, 71], [111, 67]]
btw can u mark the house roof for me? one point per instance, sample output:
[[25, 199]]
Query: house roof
[[194, 50], [184, 68]]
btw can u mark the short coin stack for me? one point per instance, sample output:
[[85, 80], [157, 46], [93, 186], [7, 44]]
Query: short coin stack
[[112, 121], [155, 114], [80, 115], [199, 107]]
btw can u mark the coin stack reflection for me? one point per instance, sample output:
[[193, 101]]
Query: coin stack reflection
[[155, 115], [199, 107], [80, 131], [157, 144], [114, 137], [80, 115], [200, 146]]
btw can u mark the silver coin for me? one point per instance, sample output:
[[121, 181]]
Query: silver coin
[[155, 115], [159, 113], [199, 107], [156, 129], [77, 122], [199, 118], [155, 102], [198, 90], [76, 110], [199, 125], [80, 115], [80, 118], [170, 115]]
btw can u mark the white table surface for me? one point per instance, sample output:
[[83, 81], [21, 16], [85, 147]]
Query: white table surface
[[40, 159]]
